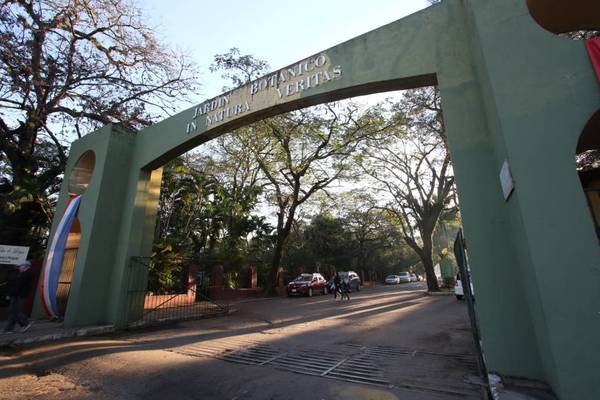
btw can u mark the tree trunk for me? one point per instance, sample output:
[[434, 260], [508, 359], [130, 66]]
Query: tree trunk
[[284, 227], [275, 262], [427, 259]]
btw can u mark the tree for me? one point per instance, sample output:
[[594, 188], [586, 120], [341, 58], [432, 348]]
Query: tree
[[204, 209], [302, 153], [341, 231], [68, 67], [185, 210], [237, 68], [329, 241], [371, 231], [416, 174], [238, 174]]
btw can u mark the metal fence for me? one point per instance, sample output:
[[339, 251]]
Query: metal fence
[[159, 293]]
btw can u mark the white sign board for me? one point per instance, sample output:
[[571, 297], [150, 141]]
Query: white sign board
[[506, 180], [14, 255]]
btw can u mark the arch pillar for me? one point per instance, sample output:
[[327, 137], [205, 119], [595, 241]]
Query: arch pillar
[[99, 276]]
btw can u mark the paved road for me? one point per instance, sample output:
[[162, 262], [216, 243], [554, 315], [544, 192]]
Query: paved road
[[385, 343]]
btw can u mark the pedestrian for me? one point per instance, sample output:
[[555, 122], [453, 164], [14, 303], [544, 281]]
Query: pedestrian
[[18, 290], [345, 289], [336, 285]]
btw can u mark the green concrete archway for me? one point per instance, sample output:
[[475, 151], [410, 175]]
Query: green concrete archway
[[511, 91]]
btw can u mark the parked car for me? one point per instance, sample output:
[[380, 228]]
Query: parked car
[[352, 280], [392, 280], [413, 278], [404, 277], [306, 285]]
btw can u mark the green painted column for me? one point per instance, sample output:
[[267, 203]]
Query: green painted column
[[100, 211], [509, 340], [135, 236], [539, 91]]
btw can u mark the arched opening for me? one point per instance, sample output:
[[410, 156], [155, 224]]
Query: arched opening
[[79, 180], [68, 266], [82, 173], [588, 166], [561, 16]]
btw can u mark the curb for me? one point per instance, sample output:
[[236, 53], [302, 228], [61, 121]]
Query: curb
[[96, 330], [167, 321], [440, 293], [255, 300]]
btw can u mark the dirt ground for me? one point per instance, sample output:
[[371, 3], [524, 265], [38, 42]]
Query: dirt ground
[[389, 342]]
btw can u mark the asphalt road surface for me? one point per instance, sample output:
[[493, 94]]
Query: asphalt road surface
[[389, 342]]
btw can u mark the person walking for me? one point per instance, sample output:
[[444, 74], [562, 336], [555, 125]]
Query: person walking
[[345, 289], [337, 285], [18, 291]]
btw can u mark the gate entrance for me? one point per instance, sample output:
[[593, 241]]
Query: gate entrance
[[515, 100]]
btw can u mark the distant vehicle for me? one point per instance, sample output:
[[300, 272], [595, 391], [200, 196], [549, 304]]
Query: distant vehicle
[[404, 277], [438, 273], [413, 278], [352, 280], [307, 285], [458, 288], [392, 280]]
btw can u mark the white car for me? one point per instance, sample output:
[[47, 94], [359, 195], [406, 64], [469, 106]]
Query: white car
[[392, 280], [458, 288], [404, 277], [413, 278]]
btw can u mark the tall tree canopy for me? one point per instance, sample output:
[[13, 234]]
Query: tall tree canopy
[[237, 68], [206, 209], [66, 68], [415, 173], [302, 153]]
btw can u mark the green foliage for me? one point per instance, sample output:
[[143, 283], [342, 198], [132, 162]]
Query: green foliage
[[165, 270], [27, 205], [66, 68], [324, 242], [203, 215], [415, 174], [239, 69]]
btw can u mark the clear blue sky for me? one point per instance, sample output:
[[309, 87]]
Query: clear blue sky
[[280, 32]]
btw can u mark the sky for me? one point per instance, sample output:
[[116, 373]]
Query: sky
[[280, 32]]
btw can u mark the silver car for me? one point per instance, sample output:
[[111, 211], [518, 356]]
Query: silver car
[[404, 277]]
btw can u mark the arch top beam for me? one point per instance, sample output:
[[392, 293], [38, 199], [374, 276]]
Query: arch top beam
[[400, 55]]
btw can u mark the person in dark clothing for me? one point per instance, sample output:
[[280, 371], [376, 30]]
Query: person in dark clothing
[[336, 285], [345, 288], [18, 291]]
